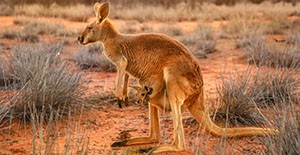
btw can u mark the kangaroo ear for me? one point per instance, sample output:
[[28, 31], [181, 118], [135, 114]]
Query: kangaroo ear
[[146, 88], [96, 8], [103, 11], [150, 91]]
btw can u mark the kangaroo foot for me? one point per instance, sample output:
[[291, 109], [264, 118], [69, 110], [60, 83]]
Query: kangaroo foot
[[119, 144], [121, 101], [135, 141]]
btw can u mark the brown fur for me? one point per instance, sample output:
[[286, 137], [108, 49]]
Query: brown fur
[[168, 67]]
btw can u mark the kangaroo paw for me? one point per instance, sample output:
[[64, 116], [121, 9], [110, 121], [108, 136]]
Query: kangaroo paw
[[126, 101], [119, 103], [119, 144]]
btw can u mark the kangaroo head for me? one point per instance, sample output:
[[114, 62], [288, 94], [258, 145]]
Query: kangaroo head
[[96, 30], [143, 94]]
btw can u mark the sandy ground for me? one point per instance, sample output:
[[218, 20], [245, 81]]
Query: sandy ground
[[103, 124]]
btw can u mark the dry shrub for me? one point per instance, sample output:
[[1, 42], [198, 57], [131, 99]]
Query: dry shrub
[[2, 76], [237, 25], [150, 13], [278, 25], [240, 96], [28, 36], [76, 12], [288, 124], [293, 37], [92, 56], [201, 42], [129, 27], [261, 54], [249, 38], [45, 84], [236, 101], [171, 30], [42, 27], [5, 10]]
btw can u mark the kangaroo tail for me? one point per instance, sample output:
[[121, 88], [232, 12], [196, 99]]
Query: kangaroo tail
[[198, 110]]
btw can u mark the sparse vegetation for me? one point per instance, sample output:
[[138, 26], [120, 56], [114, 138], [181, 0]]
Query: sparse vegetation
[[28, 36], [237, 102], [260, 54], [288, 124], [278, 25], [45, 84], [171, 30], [249, 38], [5, 10], [92, 56], [293, 37], [201, 41], [241, 95], [76, 12], [42, 27], [129, 27], [239, 25]]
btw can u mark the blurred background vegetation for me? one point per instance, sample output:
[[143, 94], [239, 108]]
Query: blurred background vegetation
[[166, 3]]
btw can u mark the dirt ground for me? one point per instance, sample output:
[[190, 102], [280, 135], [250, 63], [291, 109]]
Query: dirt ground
[[102, 125]]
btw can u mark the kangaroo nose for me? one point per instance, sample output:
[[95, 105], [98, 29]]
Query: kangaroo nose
[[80, 39]]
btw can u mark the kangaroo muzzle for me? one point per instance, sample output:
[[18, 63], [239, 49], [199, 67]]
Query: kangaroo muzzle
[[80, 39]]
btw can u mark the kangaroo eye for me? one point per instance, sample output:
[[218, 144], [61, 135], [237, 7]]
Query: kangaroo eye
[[143, 94], [89, 28]]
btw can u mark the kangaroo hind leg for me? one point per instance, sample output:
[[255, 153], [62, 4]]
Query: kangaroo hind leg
[[154, 131]]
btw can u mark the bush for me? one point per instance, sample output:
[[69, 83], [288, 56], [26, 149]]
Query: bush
[[276, 87], [278, 25], [46, 84], [92, 56], [201, 42], [237, 101], [42, 27], [240, 96], [76, 12], [293, 37], [28, 36], [5, 10], [288, 124], [171, 30], [249, 39], [260, 54]]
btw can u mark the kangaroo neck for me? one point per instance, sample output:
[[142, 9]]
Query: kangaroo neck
[[110, 32]]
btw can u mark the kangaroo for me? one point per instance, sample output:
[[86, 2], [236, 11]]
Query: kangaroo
[[169, 68], [143, 94]]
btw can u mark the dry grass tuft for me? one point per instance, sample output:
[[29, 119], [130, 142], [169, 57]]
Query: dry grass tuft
[[6, 10], [240, 96], [76, 12], [42, 27], [45, 84], [130, 27], [237, 104], [261, 54], [92, 56], [28, 36], [171, 30], [201, 42], [143, 13], [293, 37], [288, 124], [278, 25]]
